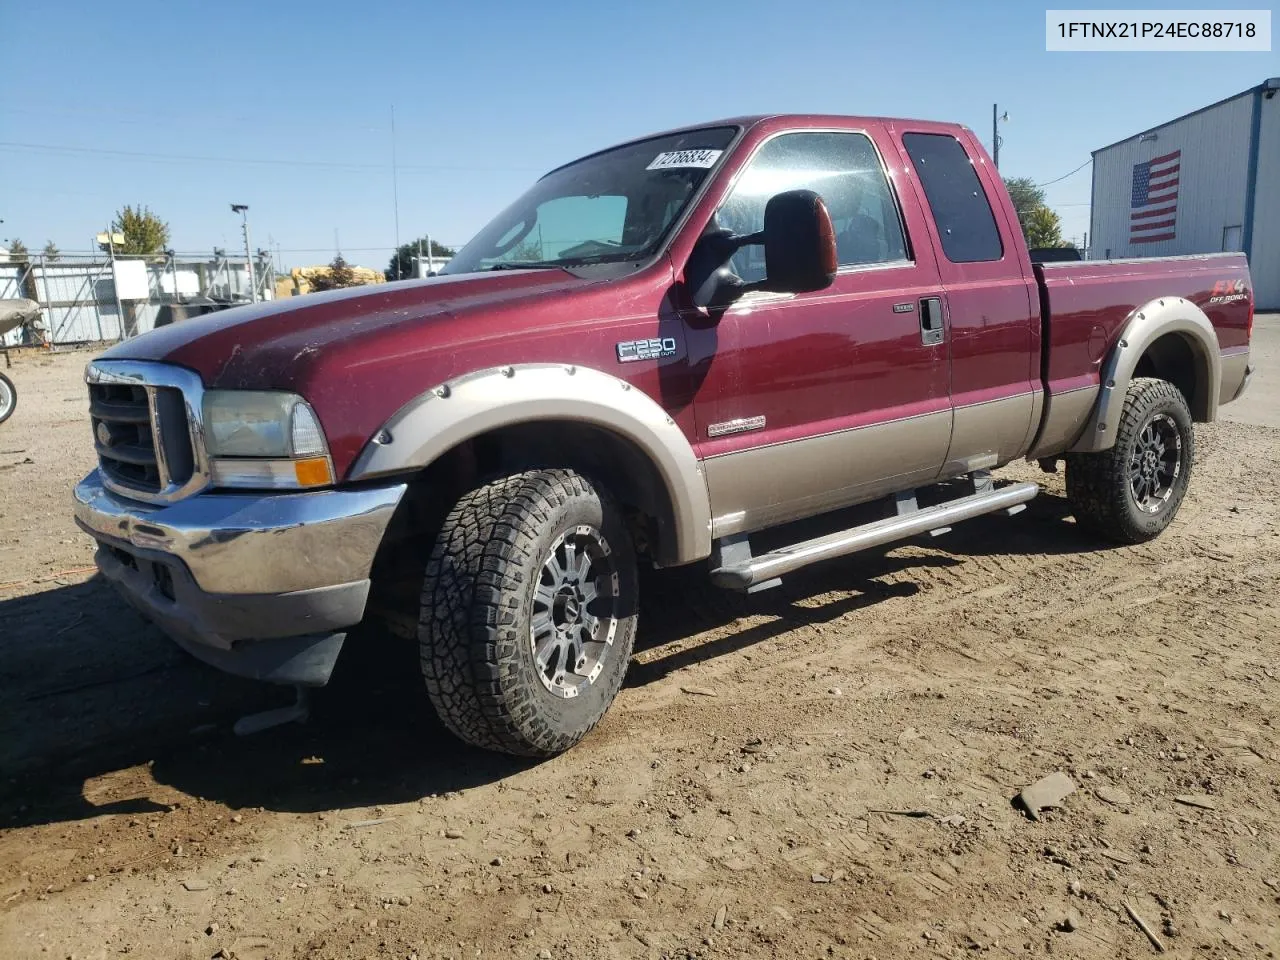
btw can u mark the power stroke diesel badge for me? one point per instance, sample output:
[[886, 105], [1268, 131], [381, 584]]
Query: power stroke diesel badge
[[653, 349]]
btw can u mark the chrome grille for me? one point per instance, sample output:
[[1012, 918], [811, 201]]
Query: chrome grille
[[121, 420], [146, 428]]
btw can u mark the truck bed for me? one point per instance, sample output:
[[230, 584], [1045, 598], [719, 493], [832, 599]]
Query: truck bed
[[1084, 306]]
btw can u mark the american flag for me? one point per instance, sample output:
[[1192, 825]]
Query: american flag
[[1154, 199]]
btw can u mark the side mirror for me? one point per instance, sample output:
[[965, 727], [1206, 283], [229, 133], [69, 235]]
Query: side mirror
[[799, 252], [713, 283], [799, 243]]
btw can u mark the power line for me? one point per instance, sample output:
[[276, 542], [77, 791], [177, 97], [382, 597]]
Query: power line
[[1048, 183], [196, 158]]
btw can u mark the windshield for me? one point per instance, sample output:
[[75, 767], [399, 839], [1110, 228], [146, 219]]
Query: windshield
[[608, 208]]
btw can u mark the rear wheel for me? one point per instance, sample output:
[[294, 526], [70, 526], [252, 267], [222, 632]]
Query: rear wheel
[[1131, 492], [528, 612], [8, 398]]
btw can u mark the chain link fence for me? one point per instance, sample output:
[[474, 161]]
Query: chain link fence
[[91, 298]]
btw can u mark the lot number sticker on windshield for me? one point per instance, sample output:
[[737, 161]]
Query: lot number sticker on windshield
[[684, 159]]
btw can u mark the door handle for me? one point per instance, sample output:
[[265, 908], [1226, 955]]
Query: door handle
[[931, 332]]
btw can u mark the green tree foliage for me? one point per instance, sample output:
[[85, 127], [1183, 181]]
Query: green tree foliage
[[51, 251], [1026, 197], [1040, 225], [143, 231], [18, 251], [340, 275], [401, 266], [1043, 228]]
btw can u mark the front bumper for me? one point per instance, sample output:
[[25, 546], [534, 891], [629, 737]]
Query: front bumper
[[260, 585]]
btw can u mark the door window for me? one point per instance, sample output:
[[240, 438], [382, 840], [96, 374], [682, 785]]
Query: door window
[[960, 207], [842, 168]]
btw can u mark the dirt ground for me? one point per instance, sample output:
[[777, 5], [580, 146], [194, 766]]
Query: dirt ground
[[822, 770]]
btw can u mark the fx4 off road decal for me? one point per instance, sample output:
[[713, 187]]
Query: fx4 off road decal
[[1226, 291], [653, 349]]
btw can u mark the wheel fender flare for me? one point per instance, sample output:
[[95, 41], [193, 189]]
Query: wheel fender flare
[[1145, 326], [453, 412]]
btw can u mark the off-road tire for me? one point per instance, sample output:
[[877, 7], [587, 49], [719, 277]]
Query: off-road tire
[[8, 398], [474, 630], [1099, 485]]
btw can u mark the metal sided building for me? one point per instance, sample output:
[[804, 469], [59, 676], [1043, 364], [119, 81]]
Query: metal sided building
[[1204, 182]]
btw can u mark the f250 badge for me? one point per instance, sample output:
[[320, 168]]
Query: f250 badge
[[1227, 291], [654, 349]]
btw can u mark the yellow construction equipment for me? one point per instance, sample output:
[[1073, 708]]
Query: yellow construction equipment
[[298, 280]]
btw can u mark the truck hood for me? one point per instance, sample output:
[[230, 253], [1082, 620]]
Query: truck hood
[[285, 344]]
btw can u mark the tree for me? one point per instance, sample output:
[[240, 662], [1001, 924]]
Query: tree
[[530, 249], [1026, 197], [339, 275], [1040, 226], [51, 251], [401, 266], [1043, 228], [143, 231], [18, 251]]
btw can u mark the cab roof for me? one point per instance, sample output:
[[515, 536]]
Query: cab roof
[[783, 121]]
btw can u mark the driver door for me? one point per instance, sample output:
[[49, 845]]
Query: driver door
[[809, 402]]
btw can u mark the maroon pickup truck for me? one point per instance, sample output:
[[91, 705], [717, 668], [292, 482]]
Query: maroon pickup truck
[[657, 352]]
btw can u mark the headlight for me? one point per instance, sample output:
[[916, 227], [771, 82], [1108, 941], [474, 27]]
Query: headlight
[[259, 438]]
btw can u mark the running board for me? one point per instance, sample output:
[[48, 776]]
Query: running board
[[753, 573]]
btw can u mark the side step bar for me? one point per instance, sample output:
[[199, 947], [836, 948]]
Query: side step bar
[[756, 572]]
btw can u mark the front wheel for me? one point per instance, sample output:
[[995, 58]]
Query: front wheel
[[8, 398], [1131, 492], [528, 612]]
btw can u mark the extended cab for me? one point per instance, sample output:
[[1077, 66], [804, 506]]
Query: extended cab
[[657, 352]]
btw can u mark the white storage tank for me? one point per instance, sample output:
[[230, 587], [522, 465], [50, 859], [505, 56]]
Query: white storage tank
[[1204, 182]]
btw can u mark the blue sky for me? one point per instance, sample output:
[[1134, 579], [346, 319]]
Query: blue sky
[[489, 96]]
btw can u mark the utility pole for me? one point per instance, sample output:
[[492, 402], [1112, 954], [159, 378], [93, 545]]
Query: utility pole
[[996, 117], [115, 280], [115, 284], [995, 136], [243, 210], [173, 271], [395, 188]]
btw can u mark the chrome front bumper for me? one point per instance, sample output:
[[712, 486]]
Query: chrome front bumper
[[257, 584]]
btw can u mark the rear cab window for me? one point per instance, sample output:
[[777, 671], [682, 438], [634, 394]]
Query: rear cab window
[[961, 209]]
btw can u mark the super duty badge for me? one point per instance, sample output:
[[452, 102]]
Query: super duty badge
[[653, 349]]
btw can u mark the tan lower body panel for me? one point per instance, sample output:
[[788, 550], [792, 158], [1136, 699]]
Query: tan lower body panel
[[765, 486], [1066, 414], [988, 434], [1234, 366]]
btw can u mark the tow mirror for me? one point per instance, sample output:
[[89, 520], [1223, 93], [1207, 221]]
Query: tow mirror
[[799, 243], [799, 251], [713, 282]]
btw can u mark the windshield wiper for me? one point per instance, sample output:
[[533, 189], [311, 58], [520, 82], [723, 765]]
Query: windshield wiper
[[526, 265], [621, 257]]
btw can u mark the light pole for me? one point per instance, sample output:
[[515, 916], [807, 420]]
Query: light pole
[[243, 210]]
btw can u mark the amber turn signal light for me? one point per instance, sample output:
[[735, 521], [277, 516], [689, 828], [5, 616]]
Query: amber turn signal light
[[313, 472]]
